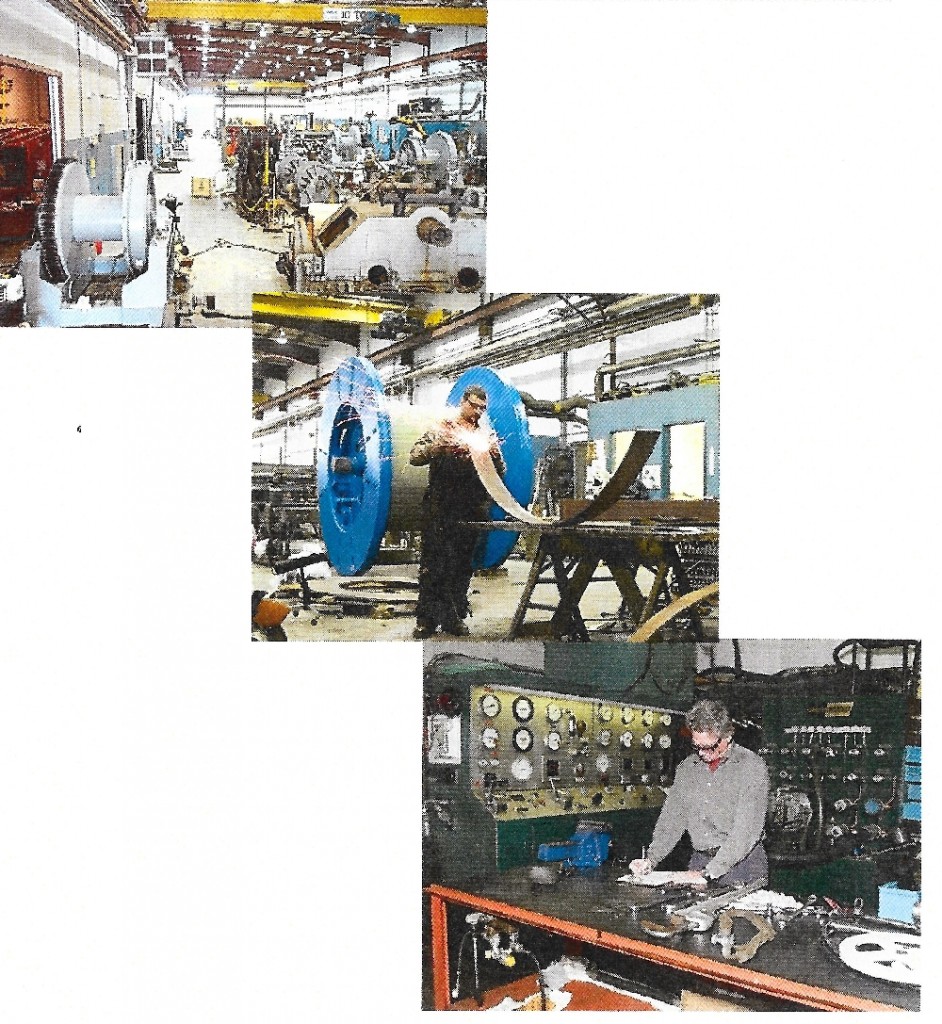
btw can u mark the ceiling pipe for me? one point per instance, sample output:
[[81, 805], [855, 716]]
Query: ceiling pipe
[[700, 348]]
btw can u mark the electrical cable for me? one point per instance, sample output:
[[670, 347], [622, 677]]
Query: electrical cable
[[539, 978]]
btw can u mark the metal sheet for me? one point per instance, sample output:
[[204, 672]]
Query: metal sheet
[[642, 445]]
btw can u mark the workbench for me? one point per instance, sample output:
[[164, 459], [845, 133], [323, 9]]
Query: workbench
[[592, 909]]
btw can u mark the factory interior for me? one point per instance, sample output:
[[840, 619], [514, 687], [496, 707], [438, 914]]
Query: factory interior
[[545, 767], [163, 160], [606, 410]]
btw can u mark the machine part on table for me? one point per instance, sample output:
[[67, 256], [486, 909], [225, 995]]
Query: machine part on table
[[64, 266], [724, 935], [699, 915], [889, 956], [366, 484]]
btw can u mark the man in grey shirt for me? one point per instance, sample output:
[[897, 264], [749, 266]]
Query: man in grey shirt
[[719, 797]]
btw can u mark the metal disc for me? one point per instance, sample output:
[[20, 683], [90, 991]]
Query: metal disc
[[890, 956], [508, 419], [62, 257], [354, 466], [140, 213]]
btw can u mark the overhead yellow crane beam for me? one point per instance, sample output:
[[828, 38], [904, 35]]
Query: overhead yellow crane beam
[[304, 13], [297, 306]]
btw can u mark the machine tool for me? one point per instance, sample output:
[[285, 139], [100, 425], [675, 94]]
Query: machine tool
[[355, 248], [69, 278]]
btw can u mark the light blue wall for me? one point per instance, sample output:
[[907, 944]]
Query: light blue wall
[[658, 411]]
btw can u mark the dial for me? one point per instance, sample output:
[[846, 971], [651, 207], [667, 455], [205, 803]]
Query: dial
[[627, 716], [554, 740], [603, 762], [521, 769], [523, 709], [647, 740], [626, 738], [605, 737], [664, 740], [605, 713], [522, 738], [647, 718], [490, 705], [489, 737], [666, 719], [554, 712]]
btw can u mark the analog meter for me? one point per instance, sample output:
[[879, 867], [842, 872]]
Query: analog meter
[[554, 712], [523, 709], [489, 737], [522, 739], [604, 737], [490, 705], [554, 740], [521, 769], [605, 713]]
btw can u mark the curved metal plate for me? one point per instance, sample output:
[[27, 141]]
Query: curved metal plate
[[508, 419]]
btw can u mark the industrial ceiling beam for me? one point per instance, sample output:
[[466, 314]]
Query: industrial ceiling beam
[[305, 13], [295, 305], [479, 314]]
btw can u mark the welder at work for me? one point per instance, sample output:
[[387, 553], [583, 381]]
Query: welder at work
[[454, 497]]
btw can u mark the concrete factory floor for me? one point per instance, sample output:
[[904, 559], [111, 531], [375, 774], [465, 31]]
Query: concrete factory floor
[[230, 273], [494, 600]]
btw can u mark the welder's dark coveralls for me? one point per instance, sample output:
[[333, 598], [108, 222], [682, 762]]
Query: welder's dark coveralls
[[454, 496]]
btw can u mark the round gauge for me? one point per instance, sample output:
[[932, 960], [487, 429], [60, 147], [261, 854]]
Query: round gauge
[[647, 740], [627, 716], [603, 763], [490, 737], [666, 719], [626, 738], [605, 737], [554, 740], [521, 769], [490, 705], [664, 740], [554, 712], [578, 769], [605, 713], [647, 718], [523, 709], [522, 738]]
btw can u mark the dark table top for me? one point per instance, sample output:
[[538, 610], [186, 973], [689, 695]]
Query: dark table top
[[597, 901]]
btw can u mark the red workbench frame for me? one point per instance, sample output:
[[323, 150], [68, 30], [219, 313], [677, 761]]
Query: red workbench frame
[[729, 974]]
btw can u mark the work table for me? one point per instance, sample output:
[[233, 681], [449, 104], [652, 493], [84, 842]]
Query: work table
[[595, 909]]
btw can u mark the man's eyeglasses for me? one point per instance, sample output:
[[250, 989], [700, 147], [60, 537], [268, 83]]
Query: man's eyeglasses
[[710, 748]]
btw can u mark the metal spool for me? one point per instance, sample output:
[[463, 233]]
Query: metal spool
[[71, 219], [365, 483]]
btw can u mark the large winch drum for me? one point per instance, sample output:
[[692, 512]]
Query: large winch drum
[[366, 485]]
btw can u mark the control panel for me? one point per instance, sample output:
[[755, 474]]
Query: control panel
[[835, 770], [539, 754]]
